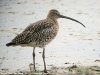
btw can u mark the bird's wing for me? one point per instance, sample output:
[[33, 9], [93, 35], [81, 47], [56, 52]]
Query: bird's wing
[[33, 32], [20, 38]]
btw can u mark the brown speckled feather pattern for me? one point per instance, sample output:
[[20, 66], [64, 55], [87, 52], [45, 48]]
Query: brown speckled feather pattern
[[37, 34]]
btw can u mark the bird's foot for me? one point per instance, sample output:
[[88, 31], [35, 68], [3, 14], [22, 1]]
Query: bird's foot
[[34, 70], [45, 71]]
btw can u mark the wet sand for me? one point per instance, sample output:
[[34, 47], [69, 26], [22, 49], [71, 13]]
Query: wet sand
[[72, 70], [74, 45]]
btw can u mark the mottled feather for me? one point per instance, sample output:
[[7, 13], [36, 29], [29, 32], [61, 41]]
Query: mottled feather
[[39, 33]]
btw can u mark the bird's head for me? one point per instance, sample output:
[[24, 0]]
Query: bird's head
[[55, 14]]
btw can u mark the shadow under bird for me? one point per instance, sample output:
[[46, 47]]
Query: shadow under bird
[[40, 33]]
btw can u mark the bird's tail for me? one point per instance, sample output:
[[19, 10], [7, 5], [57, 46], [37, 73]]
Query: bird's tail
[[10, 44]]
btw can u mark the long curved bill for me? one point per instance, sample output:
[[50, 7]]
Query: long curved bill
[[72, 20]]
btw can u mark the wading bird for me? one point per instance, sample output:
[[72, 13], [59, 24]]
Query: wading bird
[[40, 33]]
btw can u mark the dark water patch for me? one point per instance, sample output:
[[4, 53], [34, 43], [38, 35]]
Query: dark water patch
[[81, 13], [94, 50], [98, 33], [97, 60], [3, 58], [40, 52], [8, 8], [71, 34], [22, 2], [67, 63], [88, 39], [3, 30], [14, 28], [18, 3], [12, 12], [59, 0], [1, 12], [62, 4], [28, 13], [36, 3]]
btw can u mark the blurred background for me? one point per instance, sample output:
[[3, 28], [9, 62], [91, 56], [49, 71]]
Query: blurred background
[[74, 44]]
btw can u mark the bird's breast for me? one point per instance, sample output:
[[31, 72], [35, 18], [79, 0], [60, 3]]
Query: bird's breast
[[47, 36]]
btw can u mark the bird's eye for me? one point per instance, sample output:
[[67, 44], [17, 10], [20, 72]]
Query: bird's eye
[[57, 13]]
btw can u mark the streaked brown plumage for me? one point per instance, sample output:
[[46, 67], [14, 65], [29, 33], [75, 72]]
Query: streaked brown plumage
[[40, 33]]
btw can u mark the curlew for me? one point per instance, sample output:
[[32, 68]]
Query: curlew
[[40, 33]]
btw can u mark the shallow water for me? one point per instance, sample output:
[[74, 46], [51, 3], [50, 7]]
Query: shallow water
[[74, 44]]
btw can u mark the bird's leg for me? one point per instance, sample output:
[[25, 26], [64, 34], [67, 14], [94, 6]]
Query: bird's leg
[[34, 59], [43, 55]]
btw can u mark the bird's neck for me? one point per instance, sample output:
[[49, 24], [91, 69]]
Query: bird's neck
[[52, 19]]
